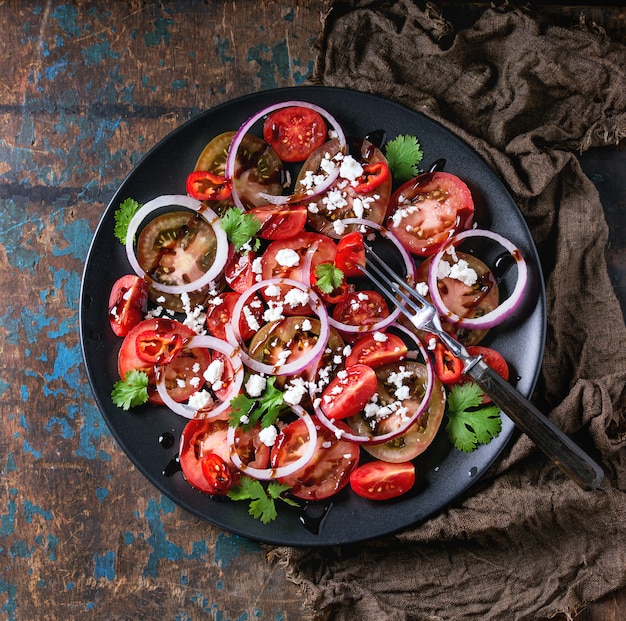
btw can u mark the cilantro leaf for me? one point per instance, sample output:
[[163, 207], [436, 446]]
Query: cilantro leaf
[[469, 424], [240, 228], [262, 505], [403, 154], [264, 409], [123, 215], [131, 391], [328, 276]]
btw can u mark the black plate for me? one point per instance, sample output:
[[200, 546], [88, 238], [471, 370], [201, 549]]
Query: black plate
[[349, 519]]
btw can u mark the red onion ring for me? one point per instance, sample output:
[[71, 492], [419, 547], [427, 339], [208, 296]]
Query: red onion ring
[[266, 474], [239, 136], [179, 200], [502, 311], [410, 270], [206, 342], [234, 336], [359, 439]]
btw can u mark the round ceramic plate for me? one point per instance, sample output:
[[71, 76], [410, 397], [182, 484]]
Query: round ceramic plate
[[348, 518]]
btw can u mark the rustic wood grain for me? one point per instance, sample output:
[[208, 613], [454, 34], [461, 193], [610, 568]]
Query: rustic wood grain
[[87, 89]]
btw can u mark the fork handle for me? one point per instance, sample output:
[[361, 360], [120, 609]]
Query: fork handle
[[546, 435]]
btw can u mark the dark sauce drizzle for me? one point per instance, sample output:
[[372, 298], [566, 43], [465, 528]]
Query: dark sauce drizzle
[[312, 515]]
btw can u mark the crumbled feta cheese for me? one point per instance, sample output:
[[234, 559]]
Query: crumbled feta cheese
[[273, 291], [274, 312], [214, 372], [380, 337], [287, 257], [339, 227], [463, 272], [422, 288], [255, 385], [306, 325], [200, 399], [296, 389], [443, 270], [268, 435], [251, 320], [296, 297], [350, 169]]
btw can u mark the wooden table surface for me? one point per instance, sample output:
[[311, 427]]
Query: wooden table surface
[[86, 89]]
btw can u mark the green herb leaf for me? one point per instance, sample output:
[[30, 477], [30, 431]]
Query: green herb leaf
[[264, 409], [123, 215], [240, 228], [262, 500], [328, 276], [404, 153], [469, 424], [131, 391]]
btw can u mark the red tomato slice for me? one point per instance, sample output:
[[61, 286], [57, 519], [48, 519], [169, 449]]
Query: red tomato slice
[[158, 348], [378, 350], [128, 303], [238, 271], [327, 473], [217, 474], [429, 209], [294, 132], [361, 308], [349, 391], [280, 222], [492, 358], [218, 315], [207, 186], [350, 254], [381, 480], [179, 374]]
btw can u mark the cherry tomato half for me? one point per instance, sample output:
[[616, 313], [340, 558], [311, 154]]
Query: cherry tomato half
[[349, 391], [377, 350], [429, 209], [217, 473], [128, 303], [294, 132], [350, 254], [239, 273], [218, 315], [158, 348], [207, 186], [381, 480], [280, 222], [327, 473]]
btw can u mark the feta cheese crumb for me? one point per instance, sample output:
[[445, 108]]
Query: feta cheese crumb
[[255, 385], [268, 435], [287, 257]]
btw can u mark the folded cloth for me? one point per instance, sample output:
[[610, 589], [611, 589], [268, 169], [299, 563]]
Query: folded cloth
[[525, 542]]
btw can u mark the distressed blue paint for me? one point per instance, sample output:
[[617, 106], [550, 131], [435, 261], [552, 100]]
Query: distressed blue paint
[[7, 520], [24, 392], [69, 586], [4, 386], [10, 467], [159, 34], [67, 433], [30, 510], [179, 84], [66, 15], [278, 616], [128, 537], [20, 549], [29, 449], [289, 16], [223, 45], [92, 429], [101, 493], [24, 423], [77, 234], [229, 547], [10, 606], [277, 63], [53, 544], [51, 72], [13, 218], [98, 52], [104, 566]]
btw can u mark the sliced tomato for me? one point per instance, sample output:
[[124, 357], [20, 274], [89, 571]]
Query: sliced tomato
[[361, 308], [419, 436], [207, 186], [350, 254], [294, 132], [448, 367], [280, 221], [465, 300], [218, 315], [492, 358], [258, 169], [128, 303], [217, 474], [429, 209], [175, 248], [342, 200], [376, 350], [349, 391], [239, 270], [320, 249], [183, 375], [329, 469], [157, 347], [381, 480], [202, 437]]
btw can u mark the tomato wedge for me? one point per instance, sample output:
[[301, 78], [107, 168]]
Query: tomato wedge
[[280, 222], [381, 480], [350, 254], [349, 391], [378, 349], [217, 474], [128, 303], [239, 273], [294, 132], [219, 315], [207, 186]]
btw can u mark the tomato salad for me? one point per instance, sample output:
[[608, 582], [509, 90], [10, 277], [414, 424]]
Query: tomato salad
[[247, 312]]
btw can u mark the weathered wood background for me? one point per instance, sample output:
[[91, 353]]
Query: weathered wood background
[[86, 89]]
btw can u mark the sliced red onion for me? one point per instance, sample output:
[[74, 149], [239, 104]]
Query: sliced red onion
[[501, 312], [215, 344], [341, 432], [239, 136], [266, 474], [410, 270], [234, 336], [179, 200]]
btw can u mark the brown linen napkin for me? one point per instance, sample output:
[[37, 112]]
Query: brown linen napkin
[[525, 543]]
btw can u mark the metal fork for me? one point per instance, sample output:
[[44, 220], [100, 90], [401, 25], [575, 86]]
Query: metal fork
[[557, 445]]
